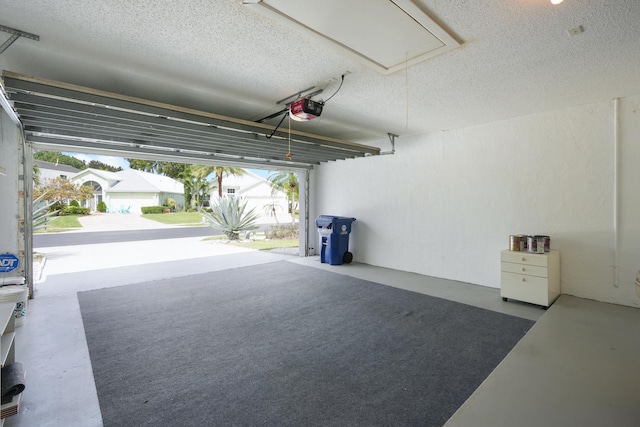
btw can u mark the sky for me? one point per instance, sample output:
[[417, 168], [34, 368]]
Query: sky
[[124, 164]]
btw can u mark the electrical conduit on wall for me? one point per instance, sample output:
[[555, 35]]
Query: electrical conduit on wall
[[616, 269]]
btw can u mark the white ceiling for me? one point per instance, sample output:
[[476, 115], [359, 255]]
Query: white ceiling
[[221, 57]]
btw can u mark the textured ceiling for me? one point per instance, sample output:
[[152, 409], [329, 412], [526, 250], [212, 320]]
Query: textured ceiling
[[221, 57]]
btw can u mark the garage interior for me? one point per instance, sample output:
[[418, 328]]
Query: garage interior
[[522, 118]]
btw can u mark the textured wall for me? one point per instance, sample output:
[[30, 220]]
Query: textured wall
[[445, 203]]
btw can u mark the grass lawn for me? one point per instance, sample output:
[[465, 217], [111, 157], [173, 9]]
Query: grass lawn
[[260, 244], [173, 218], [267, 245], [61, 223]]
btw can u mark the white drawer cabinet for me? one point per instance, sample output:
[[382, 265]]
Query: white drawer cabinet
[[533, 278]]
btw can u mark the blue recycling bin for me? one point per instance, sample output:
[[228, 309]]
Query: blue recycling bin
[[334, 232]]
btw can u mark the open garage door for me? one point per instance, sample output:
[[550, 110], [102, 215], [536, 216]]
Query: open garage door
[[70, 117], [63, 117]]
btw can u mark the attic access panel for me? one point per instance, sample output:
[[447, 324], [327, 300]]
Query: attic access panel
[[67, 117], [387, 35]]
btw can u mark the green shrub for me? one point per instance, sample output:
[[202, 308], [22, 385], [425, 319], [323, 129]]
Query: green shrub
[[56, 206], [73, 210], [171, 204], [152, 209], [228, 214], [41, 214], [74, 203], [102, 206], [282, 231]]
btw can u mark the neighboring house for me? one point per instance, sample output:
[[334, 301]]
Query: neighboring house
[[257, 192], [129, 190], [50, 171]]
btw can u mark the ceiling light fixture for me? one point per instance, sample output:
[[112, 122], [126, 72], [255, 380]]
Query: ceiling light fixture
[[556, 1]]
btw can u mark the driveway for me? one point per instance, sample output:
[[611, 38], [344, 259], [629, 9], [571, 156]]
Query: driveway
[[169, 257], [99, 256], [116, 221]]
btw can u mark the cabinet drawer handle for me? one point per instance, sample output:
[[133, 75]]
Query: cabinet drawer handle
[[524, 259], [524, 269], [524, 280]]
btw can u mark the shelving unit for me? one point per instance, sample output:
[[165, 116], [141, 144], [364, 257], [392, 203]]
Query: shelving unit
[[7, 355], [532, 278]]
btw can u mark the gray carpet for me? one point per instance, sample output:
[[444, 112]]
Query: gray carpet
[[286, 345]]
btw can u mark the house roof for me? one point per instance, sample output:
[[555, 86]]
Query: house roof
[[106, 175], [136, 181], [248, 178], [244, 183], [55, 166]]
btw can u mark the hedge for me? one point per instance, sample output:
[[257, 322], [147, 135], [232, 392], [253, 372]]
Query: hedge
[[73, 210], [152, 209]]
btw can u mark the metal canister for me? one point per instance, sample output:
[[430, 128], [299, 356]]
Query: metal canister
[[547, 242], [523, 242], [532, 244], [515, 243]]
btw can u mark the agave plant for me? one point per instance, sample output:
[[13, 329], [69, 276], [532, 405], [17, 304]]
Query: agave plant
[[228, 214], [41, 214]]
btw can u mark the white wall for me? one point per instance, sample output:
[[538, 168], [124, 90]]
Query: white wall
[[256, 191], [51, 174], [445, 203], [259, 196]]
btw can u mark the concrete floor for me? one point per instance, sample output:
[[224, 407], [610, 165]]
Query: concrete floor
[[578, 366]]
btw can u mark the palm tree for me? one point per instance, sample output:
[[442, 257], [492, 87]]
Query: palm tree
[[189, 183], [200, 190], [271, 210], [220, 171], [287, 182]]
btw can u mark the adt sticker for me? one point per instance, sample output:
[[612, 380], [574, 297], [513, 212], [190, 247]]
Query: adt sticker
[[8, 262]]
